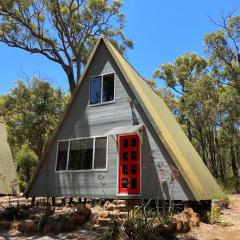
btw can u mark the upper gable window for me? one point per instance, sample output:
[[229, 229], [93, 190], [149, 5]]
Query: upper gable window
[[102, 89]]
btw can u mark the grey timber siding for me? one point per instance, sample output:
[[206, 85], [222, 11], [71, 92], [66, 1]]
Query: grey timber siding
[[84, 121]]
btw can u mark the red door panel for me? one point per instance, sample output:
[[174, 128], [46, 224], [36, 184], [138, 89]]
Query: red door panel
[[129, 164]]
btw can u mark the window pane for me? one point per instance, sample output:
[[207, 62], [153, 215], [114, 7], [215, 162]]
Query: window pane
[[62, 155], [133, 183], [125, 169], [134, 155], [125, 143], [80, 155], [95, 90], [108, 88], [134, 142], [100, 153], [125, 156], [134, 169]]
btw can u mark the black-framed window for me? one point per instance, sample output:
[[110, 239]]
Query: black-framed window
[[101, 89], [82, 154]]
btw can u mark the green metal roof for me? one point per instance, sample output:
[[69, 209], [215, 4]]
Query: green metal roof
[[7, 168]]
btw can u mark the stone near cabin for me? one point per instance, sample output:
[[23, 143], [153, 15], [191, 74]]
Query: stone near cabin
[[78, 219], [122, 208], [186, 220], [104, 221], [123, 214], [114, 214], [27, 226], [81, 209], [118, 202], [4, 225], [14, 225], [93, 218], [105, 214], [69, 224], [110, 207], [48, 227]]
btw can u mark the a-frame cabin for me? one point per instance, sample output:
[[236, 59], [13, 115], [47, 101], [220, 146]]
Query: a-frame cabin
[[118, 139]]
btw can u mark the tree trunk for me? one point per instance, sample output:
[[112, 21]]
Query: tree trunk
[[203, 147], [189, 130], [233, 161], [71, 82]]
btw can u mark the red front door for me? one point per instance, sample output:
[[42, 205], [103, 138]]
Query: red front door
[[129, 164]]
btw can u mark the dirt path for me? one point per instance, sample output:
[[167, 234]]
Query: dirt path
[[217, 232]]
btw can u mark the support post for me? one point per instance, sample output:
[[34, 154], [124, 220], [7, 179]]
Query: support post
[[33, 201]]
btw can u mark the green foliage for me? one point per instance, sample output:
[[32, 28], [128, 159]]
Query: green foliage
[[26, 163], [204, 96], [230, 185], [214, 216], [111, 233], [226, 223], [223, 200], [31, 112], [62, 31]]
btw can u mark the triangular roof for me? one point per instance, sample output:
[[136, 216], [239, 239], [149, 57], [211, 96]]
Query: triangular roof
[[189, 163], [7, 168]]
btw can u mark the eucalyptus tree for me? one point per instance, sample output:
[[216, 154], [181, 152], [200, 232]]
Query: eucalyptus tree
[[185, 69], [31, 112], [64, 31], [223, 49]]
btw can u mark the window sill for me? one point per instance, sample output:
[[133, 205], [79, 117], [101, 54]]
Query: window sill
[[82, 171], [101, 104]]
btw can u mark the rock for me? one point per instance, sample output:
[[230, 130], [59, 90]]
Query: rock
[[114, 214], [122, 208], [69, 224], [93, 218], [123, 214], [110, 207], [4, 225], [186, 220], [14, 225], [104, 221], [81, 209], [48, 227], [104, 214], [118, 202], [194, 220], [27, 226], [78, 219]]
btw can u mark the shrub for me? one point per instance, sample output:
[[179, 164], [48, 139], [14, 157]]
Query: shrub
[[230, 185], [223, 200], [142, 223], [214, 216], [26, 164]]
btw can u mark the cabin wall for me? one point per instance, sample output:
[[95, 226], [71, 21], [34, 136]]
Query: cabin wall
[[84, 121]]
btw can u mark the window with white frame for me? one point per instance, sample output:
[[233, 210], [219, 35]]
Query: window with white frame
[[82, 154], [101, 89]]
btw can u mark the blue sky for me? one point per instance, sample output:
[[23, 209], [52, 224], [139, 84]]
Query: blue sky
[[161, 31]]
